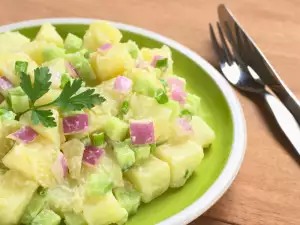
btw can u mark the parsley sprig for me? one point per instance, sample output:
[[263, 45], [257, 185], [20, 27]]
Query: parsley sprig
[[72, 98]]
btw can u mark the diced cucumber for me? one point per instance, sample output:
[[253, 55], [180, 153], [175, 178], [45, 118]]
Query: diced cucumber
[[7, 127], [98, 184], [128, 197], [151, 178], [18, 99], [104, 210], [124, 154], [15, 194], [46, 217], [74, 219], [175, 107], [34, 207], [203, 134], [182, 158], [6, 114], [72, 43], [145, 83], [141, 153], [52, 52], [57, 64], [133, 49], [192, 104], [116, 129], [82, 66]]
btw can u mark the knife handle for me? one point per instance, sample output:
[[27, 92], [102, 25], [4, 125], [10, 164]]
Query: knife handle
[[285, 120]]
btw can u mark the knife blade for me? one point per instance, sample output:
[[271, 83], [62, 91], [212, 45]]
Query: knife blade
[[259, 63]]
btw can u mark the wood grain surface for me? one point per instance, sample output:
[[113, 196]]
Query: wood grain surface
[[267, 189]]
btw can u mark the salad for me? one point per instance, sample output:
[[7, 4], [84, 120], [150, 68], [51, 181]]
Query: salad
[[92, 127]]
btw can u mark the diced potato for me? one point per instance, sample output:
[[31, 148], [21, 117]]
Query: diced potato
[[12, 41], [115, 62], [15, 193], [50, 96], [7, 66], [34, 160], [203, 134], [160, 114], [35, 50], [151, 178], [104, 211], [73, 151], [7, 127], [99, 33], [49, 34], [51, 133], [182, 158]]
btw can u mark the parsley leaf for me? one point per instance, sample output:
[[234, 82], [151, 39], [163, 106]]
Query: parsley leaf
[[21, 66], [40, 86], [44, 117], [68, 101]]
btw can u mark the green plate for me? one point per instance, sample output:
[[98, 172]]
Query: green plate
[[221, 113]]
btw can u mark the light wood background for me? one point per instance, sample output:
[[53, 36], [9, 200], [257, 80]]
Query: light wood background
[[267, 189]]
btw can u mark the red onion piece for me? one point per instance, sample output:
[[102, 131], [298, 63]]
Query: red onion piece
[[25, 135], [154, 60], [175, 82], [59, 167], [71, 70], [75, 124], [177, 94], [5, 84], [142, 132], [105, 47], [142, 64], [122, 84], [92, 155], [183, 128]]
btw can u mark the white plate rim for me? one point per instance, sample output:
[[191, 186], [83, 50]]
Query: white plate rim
[[229, 172]]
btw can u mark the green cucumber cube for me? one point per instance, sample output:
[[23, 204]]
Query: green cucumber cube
[[34, 207], [203, 133], [46, 217], [192, 104], [52, 52], [72, 43], [19, 101], [74, 219], [145, 83], [98, 184], [116, 129], [128, 197], [141, 153], [124, 154]]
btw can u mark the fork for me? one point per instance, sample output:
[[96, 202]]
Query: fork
[[244, 78]]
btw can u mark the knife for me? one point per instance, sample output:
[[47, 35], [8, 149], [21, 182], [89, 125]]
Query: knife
[[259, 63]]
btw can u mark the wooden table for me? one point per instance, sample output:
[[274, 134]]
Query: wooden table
[[267, 189]]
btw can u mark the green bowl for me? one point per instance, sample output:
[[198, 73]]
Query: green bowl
[[220, 108]]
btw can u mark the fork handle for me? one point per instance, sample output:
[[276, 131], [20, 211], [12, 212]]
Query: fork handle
[[285, 120]]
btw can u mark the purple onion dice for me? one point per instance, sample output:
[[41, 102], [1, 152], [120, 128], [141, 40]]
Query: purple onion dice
[[184, 127], [75, 124], [60, 168], [5, 84], [92, 155], [154, 60], [105, 47], [122, 84], [177, 94], [71, 70], [25, 135], [174, 82], [142, 132]]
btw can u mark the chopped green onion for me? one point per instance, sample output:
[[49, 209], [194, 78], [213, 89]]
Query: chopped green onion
[[152, 147], [187, 172], [125, 107], [86, 140], [161, 96], [98, 139], [7, 115], [42, 191], [164, 83], [186, 113], [161, 63], [65, 78], [21, 66]]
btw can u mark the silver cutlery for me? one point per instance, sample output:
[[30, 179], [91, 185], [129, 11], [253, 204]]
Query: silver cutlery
[[243, 77], [252, 56]]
